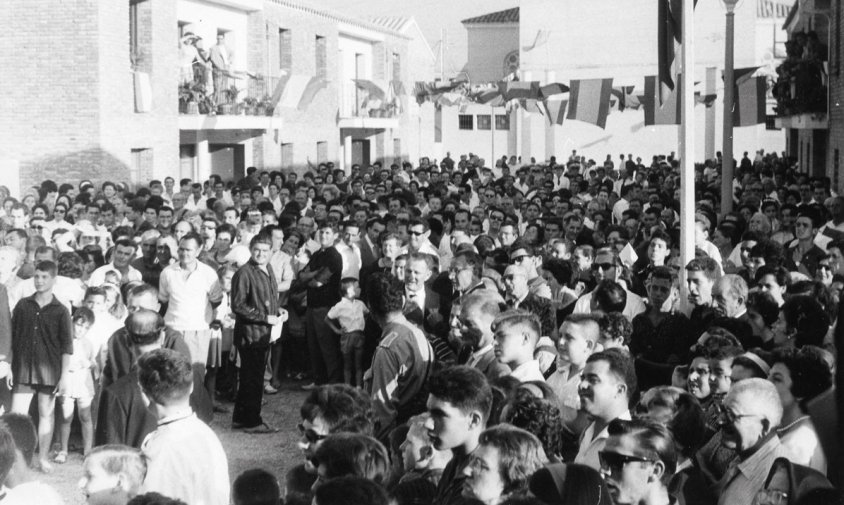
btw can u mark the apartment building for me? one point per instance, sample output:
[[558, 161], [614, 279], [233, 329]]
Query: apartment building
[[108, 91]]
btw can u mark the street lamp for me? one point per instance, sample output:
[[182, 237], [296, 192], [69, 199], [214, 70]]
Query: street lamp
[[727, 154]]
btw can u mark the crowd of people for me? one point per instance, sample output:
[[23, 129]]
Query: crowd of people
[[505, 334]]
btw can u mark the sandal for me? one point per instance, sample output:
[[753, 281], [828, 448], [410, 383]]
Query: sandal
[[60, 458]]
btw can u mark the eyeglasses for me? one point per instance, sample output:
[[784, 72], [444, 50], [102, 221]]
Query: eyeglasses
[[310, 435], [496, 218], [416, 233], [612, 461], [602, 266], [731, 417], [771, 497]]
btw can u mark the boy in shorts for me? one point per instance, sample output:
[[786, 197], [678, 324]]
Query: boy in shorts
[[346, 318]]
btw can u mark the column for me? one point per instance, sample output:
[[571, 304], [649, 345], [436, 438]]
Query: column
[[203, 159], [347, 154]]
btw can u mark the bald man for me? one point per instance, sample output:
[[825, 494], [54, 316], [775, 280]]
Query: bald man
[[473, 325]]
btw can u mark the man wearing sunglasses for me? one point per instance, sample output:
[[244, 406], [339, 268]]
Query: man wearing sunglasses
[[523, 254], [638, 461], [608, 267]]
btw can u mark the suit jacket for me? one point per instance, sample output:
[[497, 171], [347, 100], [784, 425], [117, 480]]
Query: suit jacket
[[489, 365], [368, 255], [419, 315], [125, 418]]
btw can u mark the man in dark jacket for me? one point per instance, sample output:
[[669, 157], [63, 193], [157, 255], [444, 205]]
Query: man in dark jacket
[[255, 305]]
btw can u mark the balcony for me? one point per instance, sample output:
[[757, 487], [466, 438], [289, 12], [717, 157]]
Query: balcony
[[802, 86], [363, 104], [227, 100]]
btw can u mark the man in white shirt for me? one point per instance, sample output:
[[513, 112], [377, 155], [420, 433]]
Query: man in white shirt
[[608, 381], [349, 250], [124, 252], [608, 267], [196, 200], [191, 290], [516, 334], [186, 460]]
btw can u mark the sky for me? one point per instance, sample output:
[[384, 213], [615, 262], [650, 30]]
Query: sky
[[432, 17]]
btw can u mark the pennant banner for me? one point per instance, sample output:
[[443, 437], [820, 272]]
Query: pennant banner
[[590, 101], [552, 89], [540, 40], [556, 111], [519, 89]]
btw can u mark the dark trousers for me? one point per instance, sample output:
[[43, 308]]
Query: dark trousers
[[323, 347], [247, 404]]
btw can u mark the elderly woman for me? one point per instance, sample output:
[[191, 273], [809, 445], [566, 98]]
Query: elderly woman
[[800, 376], [502, 464]]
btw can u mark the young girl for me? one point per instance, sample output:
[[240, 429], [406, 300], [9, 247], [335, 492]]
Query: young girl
[[113, 474], [80, 390]]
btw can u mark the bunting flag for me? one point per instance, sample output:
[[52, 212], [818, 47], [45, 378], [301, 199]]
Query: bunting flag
[[540, 40], [314, 86], [590, 101], [487, 95], [666, 114], [555, 88], [519, 89], [533, 105], [293, 91], [669, 28], [626, 98], [373, 90], [707, 100], [749, 107], [556, 111]]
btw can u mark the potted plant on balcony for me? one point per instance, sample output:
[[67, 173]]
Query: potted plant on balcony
[[192, 98], [250, 105], [265, 106], [230, 98]]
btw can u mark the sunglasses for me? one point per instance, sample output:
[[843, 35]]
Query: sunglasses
[[416, 233], [602, 266], [310, 435], [612, 461]]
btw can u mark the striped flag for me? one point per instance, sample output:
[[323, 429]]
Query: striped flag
[[666, 114], [749, 107], [556, 111], [669, 27], [293, 90], [590, 101], [314, 86]]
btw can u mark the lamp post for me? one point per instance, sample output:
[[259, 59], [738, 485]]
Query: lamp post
[[729, 80]]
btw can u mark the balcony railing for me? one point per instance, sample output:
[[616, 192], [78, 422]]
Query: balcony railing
[[212, 91], [802, 81]]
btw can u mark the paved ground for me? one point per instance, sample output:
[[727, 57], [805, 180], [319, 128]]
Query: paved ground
[[276, 452]]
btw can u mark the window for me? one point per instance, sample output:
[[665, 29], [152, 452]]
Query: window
[[502, 122], [396, 67], [484, 122], [771, 122], [140, 36], [287, 155], [285, 49], [464, 122], [321, 57], [322, 152], [140, 168]]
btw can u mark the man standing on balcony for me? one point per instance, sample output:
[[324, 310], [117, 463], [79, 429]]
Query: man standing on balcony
[[221, 60]]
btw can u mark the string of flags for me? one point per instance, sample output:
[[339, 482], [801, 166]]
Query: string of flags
[[591, 100]]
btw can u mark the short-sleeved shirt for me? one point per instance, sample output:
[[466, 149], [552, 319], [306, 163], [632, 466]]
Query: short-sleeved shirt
[[98, 276], [591, 444], [189, 296], [350, 314]]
